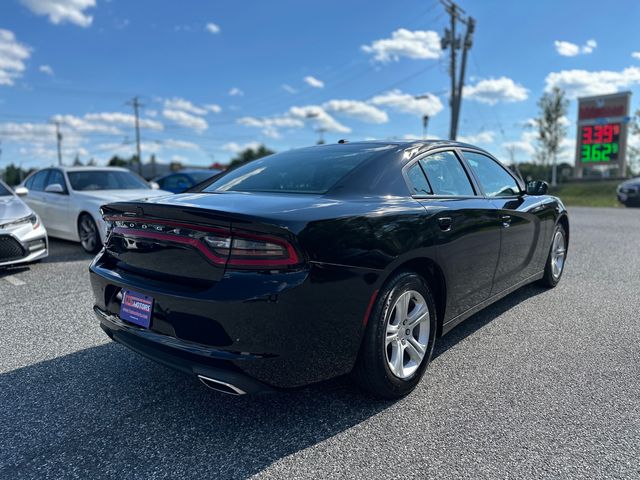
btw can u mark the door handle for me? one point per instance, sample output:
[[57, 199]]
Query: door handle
[[506, 220], [445, 223]]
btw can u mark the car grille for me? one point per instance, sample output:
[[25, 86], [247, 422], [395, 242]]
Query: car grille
[[10, 249]]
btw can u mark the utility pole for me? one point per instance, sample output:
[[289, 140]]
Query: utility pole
[[59, 141], [136, 105], [425, 126], [321, 131], [452, 42]]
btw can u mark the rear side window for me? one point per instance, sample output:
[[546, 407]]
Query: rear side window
[[39, 181], [446, 175], [307, 170], [494, 179], [417, 180]]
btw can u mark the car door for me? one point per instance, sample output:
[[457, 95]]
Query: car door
[[468, 229], [521, 226], [35, 196], [56, 205]]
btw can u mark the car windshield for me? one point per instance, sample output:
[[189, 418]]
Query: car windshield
[[313, 170], [4, 190], [105, 180]]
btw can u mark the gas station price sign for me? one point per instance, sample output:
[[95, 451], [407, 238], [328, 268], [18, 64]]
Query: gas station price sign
[[600, 143], [601, 134]]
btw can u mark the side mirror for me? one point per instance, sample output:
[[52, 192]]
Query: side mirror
[[154, 185], [537, 187], [21, 191], [54, 188]]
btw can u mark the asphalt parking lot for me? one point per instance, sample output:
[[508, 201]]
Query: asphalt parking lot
[[541, 384]]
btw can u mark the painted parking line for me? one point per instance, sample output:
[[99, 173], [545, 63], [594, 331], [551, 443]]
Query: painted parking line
[[14, 280]]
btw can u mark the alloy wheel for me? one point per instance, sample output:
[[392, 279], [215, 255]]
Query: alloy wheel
[[407, 334], [558, 253], [88, 233]]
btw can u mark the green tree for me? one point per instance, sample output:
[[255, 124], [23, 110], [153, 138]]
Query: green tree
[[77, 162], [551, 129], [116, 161], [13, 174], [248, 155]]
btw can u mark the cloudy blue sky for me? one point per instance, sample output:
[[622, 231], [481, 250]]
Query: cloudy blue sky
[[217, 76]]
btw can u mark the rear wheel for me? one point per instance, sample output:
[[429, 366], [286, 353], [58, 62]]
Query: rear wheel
[[399, 339], [88, 233], [556, 260]]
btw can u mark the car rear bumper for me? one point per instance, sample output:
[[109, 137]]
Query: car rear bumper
[[253, 330]]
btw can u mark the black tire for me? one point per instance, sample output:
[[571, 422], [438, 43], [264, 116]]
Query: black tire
[[89, 234], [550, 280], [372, 371]]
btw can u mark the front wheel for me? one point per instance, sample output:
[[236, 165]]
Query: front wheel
[[399, 339], [557, 257], [88, 233]]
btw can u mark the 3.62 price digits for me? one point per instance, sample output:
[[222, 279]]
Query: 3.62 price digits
[[599, 152]]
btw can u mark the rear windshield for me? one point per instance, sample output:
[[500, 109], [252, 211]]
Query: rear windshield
[[4, 191], [307, 170], [90, 180]]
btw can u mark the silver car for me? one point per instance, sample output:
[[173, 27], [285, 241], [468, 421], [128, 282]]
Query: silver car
[[23, 238]]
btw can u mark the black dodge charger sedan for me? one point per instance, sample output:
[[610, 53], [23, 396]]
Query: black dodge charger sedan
[[322, 261]]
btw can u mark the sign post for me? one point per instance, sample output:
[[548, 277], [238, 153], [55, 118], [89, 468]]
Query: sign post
[[603, 122]]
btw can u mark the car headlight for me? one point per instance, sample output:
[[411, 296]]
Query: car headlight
[[32, 219]]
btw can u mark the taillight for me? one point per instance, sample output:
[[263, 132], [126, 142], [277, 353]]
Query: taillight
[[220, 246], [248, 250]]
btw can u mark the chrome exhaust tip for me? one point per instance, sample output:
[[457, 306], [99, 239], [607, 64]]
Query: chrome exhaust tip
[[220, 386]]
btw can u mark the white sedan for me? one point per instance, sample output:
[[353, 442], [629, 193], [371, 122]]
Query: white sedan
[[68, 199]]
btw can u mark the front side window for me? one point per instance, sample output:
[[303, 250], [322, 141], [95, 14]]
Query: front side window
[[39, 181], [494, 179], [56, 177], [446, 175], [90, 180]]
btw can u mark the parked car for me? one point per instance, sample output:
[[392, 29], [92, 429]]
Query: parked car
[[317, 262], [68, 199], [178, 182], [23, 238], [628, 192]]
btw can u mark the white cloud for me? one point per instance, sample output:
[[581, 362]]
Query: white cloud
[[579, 83], [180, 144], [494, 90], [185, 119], [636, 55], [212, 28], [289, 88], [184, 105], [46, 69], [235, 92], [568, 49], [12, 57], [319, 117], [86, 125], [213, 108], [483, 137], [61, 11], [123, 119], [270, 125], [419, 44], [356, 109], [313, 82], [234, 147], [427, 104]]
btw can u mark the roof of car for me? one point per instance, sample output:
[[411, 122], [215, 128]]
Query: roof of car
[[85, 169]]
